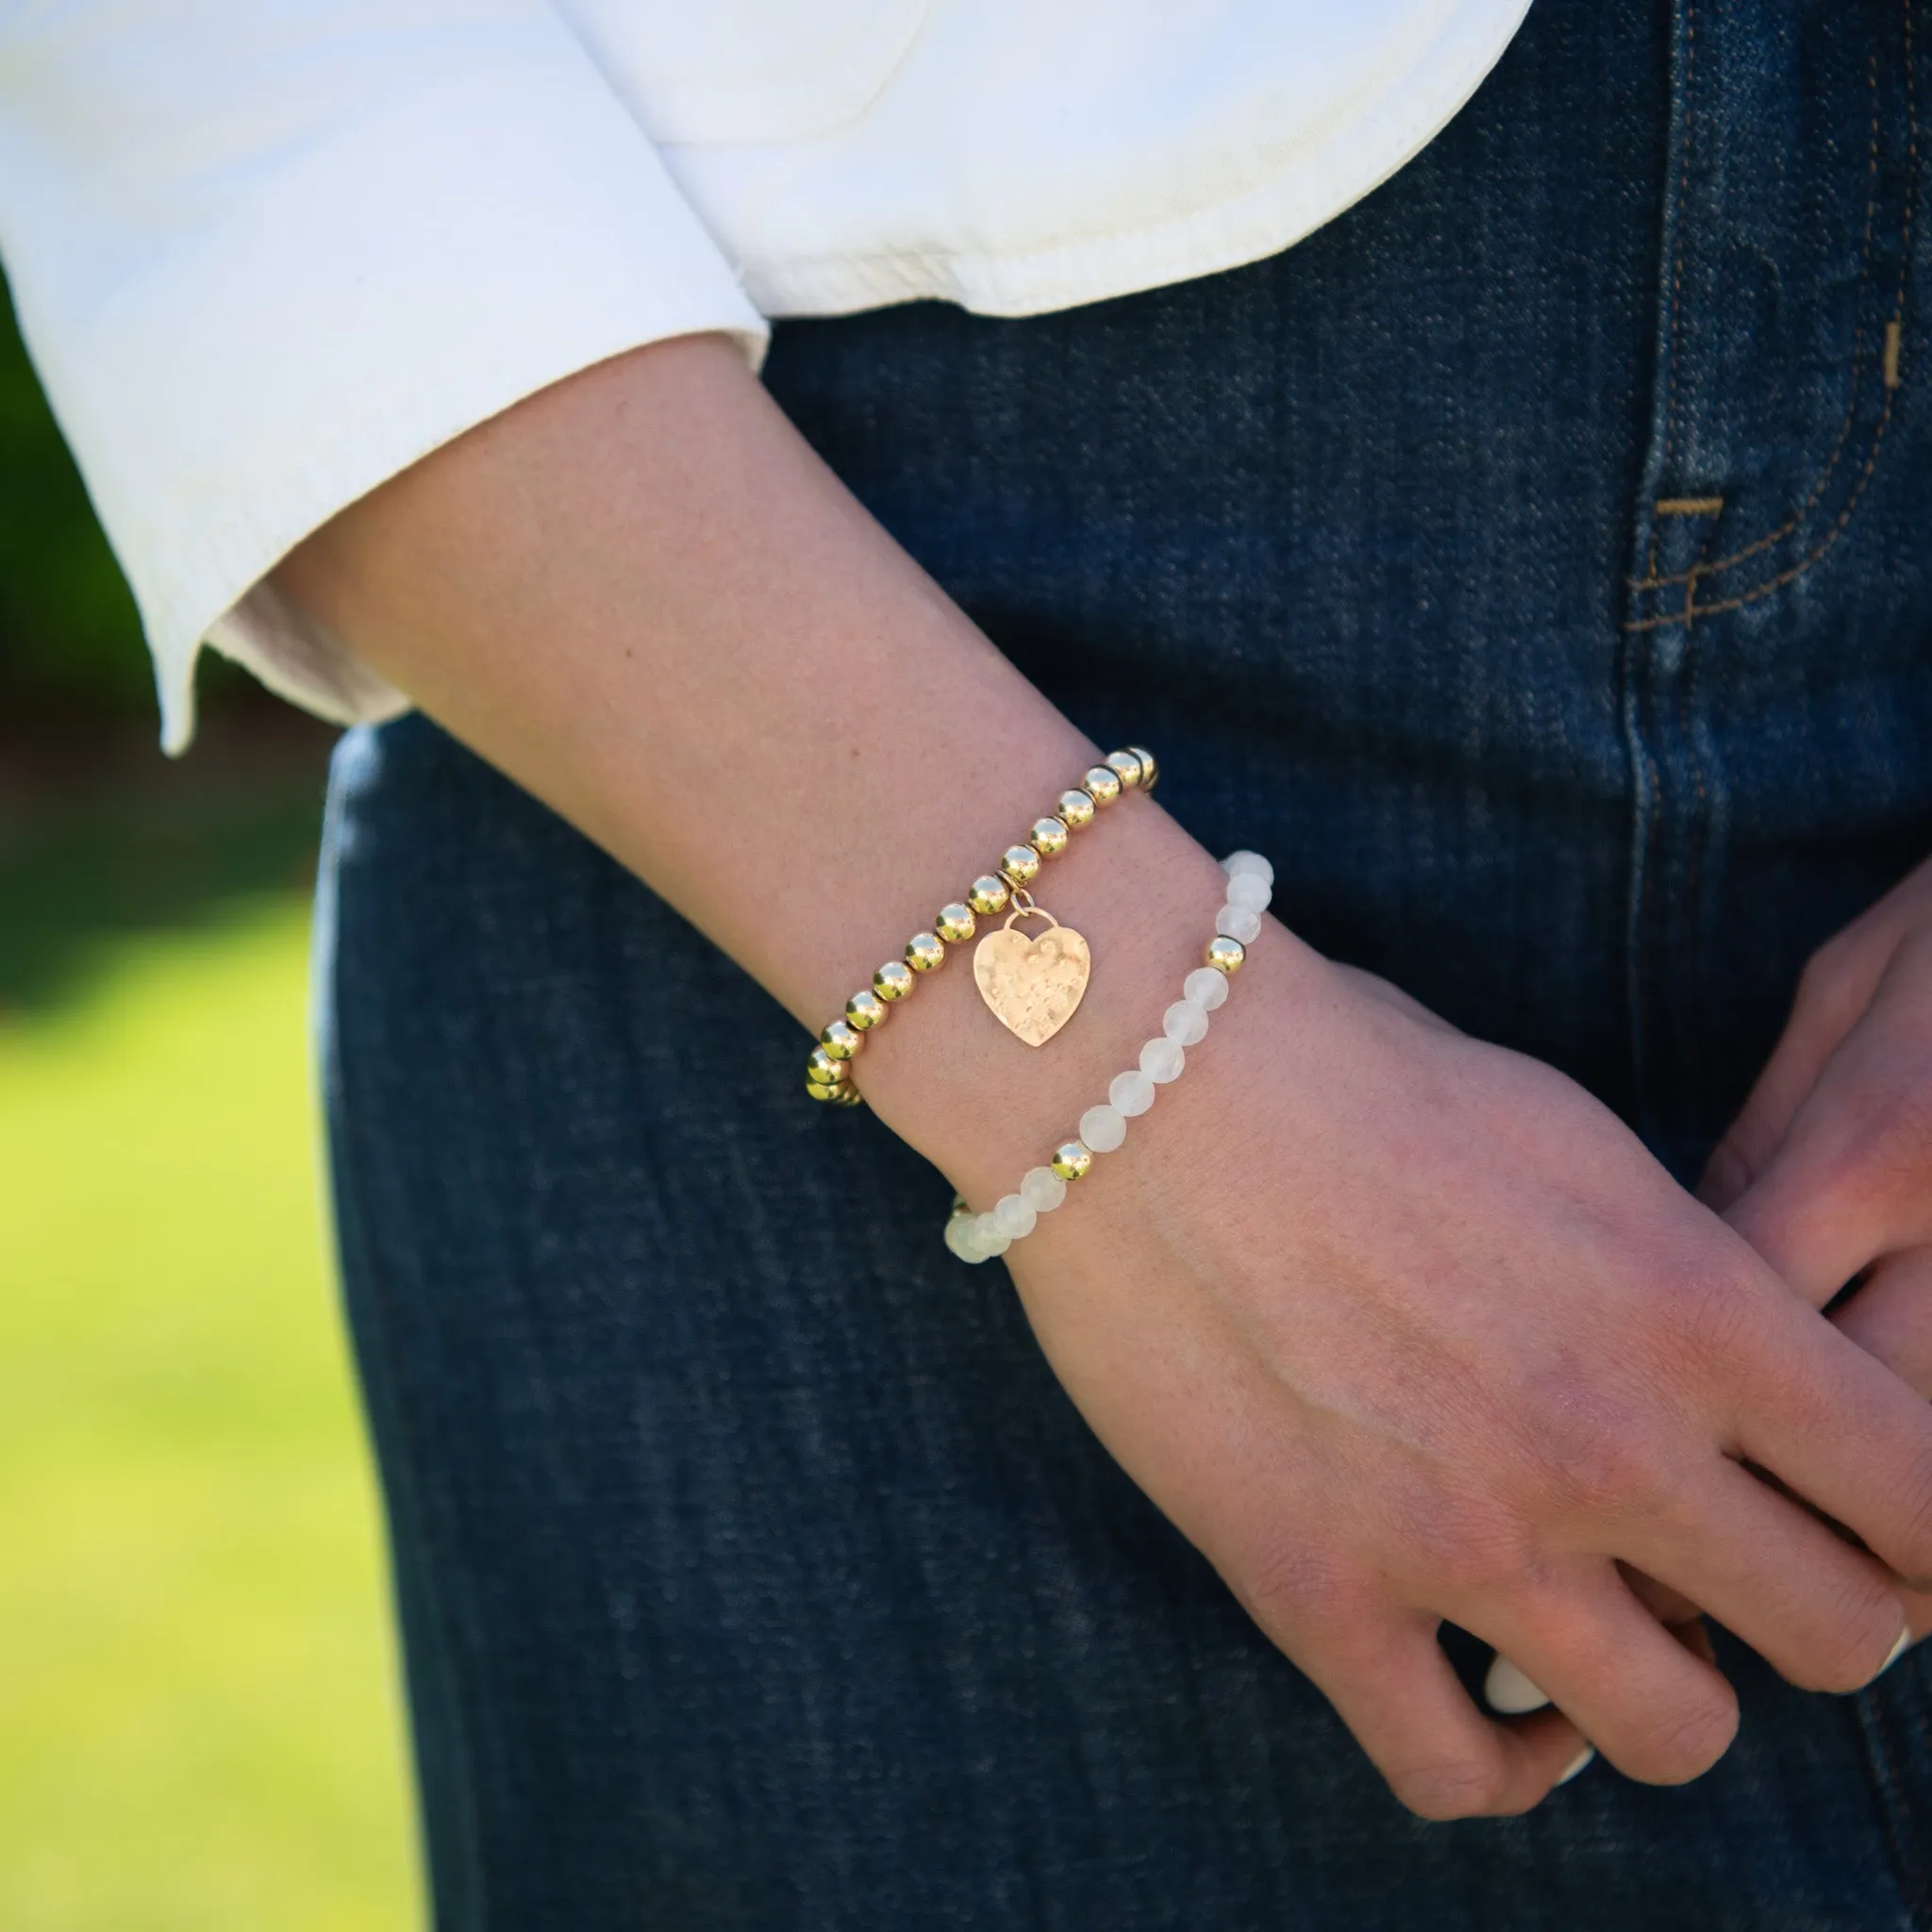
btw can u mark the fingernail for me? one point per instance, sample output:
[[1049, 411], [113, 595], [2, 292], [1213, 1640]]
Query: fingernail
[[1898, 1650], [1510, 1691], [1581, 1762]]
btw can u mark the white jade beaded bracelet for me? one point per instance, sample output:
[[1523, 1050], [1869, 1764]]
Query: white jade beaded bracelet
[[1104, 1126]]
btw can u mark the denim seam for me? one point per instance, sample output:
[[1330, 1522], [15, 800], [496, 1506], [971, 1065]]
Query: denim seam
[[1693, 608], [1645, 830], [1657, 581], [1633, 656], [1682, 196], [1909, 1870], [1696, 834]]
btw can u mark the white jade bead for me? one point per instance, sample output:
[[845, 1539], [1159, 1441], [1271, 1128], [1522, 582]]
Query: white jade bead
[[1238, 923], [1186, 1023], [1103, 1128], [1249, 889], [1163, 1060], [1042, 1190], [1238, 862], [961, 1237], [987, 1237], [1206, 988], [1013, 1216], [1132, 1092]]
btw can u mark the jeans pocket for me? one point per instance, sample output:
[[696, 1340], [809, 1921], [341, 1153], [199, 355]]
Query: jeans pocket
[[1793, 211]]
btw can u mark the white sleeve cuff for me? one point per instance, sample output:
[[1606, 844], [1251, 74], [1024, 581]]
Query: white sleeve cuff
[[253, 307]]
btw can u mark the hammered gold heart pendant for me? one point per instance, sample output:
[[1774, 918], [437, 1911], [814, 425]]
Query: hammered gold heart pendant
[[1032, 986]]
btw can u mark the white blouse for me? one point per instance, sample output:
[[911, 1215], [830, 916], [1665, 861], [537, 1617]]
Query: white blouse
[[267, 253]]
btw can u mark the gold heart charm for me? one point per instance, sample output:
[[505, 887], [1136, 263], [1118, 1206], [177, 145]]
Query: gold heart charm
[[1032, 985]]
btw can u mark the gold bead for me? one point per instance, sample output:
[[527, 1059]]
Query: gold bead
[[1102, 784], [894, 980], [848, 1096], [1048, 838], [820, 1090], [1071, 1159], [840, 1040], [824, 1070], [924, 952], [988, 895], [955, 924], [865, 1009], [1020, 864], [1149, 770], [1077, 808], [1224, 954], [1126, 767]]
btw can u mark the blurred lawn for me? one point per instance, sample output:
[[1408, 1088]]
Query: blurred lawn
[[198, 1718]]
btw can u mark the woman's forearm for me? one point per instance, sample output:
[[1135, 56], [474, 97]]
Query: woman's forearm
[[642, 595]]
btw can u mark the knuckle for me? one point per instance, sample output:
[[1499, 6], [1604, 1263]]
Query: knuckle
[[1442, 1789], [1851, 1643], [1600, 1454], [1465, 1549], [1887, 1149], [1708, 1317], [1681, 1742], [1619, 1473], [1828, 983], [1292, 1587], [1909, 1548]]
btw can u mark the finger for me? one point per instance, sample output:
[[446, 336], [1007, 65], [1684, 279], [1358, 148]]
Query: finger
[[1841, 1430], [1668, 1606], [1660, 1713], [1848, 1178], [1890, 1319], [1508, 1690], [1890, 1316], [1822, 1613], [1393, 1688], [1811, 1218], [1833, 993], [1695, 1638], [1751, 1143], [1802, 1402]]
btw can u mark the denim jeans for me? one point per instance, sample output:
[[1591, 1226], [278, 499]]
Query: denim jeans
[[1534, 563]]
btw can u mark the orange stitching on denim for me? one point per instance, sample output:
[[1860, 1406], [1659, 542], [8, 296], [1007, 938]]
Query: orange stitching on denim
[[1895, 330], [1688, 505], [1694, 610], [1655, 581]]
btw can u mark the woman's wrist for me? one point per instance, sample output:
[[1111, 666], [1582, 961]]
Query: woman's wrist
[[980, 1104], [642, 596]]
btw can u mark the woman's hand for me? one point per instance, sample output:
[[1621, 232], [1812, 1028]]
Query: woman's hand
[[1401, 1328], [1827, 1169], [1395, 1326]]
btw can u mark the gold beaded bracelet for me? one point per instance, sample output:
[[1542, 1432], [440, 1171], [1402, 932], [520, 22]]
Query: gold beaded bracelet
[[1031, 985]]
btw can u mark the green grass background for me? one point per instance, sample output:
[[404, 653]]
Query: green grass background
[[199, 1722]]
